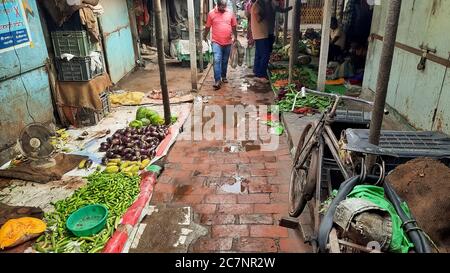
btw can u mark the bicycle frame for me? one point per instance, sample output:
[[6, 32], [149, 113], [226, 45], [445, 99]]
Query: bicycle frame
[[323, 135], [324, 128]]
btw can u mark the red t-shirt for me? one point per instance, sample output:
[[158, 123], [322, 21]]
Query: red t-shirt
[[221, 25]]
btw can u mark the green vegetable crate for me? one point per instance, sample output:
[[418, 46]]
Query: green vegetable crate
[[72, 42]]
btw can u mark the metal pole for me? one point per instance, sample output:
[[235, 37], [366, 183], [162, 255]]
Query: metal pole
[[200, 41], [296, 17], [325, 45], [192, 44], [285, 28], [162, 60], [384, 73]]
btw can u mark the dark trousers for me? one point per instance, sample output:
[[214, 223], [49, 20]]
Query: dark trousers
[[221, 57], [262, 57], [272, 42], [334, 53]]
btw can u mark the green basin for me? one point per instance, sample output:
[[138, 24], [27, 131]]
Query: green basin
[[88, 220]]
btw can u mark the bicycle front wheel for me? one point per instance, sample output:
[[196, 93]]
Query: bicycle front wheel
[[303, 175]]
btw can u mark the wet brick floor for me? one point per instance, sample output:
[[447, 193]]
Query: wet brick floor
[[238, 193]]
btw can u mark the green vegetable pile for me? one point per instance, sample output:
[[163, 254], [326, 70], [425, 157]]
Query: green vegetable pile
[[316, 102], [116, 191]]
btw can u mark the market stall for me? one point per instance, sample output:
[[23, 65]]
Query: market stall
[[95, 206]]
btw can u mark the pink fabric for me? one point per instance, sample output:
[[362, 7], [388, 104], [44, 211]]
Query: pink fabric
[[221, 25]]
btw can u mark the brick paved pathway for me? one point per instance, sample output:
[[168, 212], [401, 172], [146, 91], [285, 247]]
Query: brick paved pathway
[[241, 214]]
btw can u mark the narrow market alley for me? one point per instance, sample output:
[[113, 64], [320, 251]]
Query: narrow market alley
[[242, 129], [238, 195]]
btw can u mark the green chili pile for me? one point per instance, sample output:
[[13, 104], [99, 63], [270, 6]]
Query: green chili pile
[[115, 191]]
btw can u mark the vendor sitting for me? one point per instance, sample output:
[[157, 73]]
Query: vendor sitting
[[337, 41]]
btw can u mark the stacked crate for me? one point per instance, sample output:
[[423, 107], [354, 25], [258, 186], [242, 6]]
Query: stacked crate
[[76, 43], [78, 69]]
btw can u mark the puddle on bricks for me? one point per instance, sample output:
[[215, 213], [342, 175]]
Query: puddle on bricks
[[240, 186], [228, 185]]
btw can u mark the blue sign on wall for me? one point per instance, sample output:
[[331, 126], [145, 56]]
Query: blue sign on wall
[[14, 28]]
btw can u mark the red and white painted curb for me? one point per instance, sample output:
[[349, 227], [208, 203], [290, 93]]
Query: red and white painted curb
[[133, 215], [136, 212]]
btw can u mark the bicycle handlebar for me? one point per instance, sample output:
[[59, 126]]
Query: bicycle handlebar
[[338, 98]]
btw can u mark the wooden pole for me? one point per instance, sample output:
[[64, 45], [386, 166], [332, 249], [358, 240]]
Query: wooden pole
[[285, 27], [296, 18], [162, 61], [325, 45], [192, 44], [200, 40]]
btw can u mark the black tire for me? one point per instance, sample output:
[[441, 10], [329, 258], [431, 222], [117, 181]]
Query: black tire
[[303, 178]]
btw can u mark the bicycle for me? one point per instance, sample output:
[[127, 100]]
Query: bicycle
[[312, 171], [309, 153]]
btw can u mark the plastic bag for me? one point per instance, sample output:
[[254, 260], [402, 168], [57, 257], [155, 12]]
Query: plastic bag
[[234, 58], [237, 55], [241, 53]]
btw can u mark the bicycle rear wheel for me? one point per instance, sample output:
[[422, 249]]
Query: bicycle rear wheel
[[303, 175]]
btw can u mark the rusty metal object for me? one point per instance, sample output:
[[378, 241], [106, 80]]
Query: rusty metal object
[[416, 51], [386, 59], [364, 222], [289, 222], [107, 34]]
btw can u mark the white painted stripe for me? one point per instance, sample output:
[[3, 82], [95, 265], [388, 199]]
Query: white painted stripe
[[137, 238]]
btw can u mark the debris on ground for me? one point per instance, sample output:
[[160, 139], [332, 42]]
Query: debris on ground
[[167, 230], [127, 98], [424, 184]]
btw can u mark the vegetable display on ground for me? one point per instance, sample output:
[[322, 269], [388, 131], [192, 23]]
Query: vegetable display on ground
[[115, 191], [131, 144], [287, 97], [302, 77], [137, 143]]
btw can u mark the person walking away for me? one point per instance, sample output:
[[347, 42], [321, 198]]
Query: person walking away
[[260, 32], [222, 23], [337, 41], [248, 8], [274, 7]]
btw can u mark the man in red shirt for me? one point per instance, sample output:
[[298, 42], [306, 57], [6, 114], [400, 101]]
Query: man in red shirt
[[223, 23]]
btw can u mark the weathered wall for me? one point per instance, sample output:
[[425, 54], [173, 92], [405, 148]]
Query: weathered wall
[[422, 97], [24, 87], [117, 38]]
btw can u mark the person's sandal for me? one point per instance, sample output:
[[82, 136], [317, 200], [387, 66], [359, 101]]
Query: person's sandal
[[262, 80], [216, 86], [225, 80]]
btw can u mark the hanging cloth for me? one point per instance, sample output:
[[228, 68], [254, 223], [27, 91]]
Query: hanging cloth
[[89, 20]]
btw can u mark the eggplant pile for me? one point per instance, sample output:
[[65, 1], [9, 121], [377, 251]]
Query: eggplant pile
[[134, 144]]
